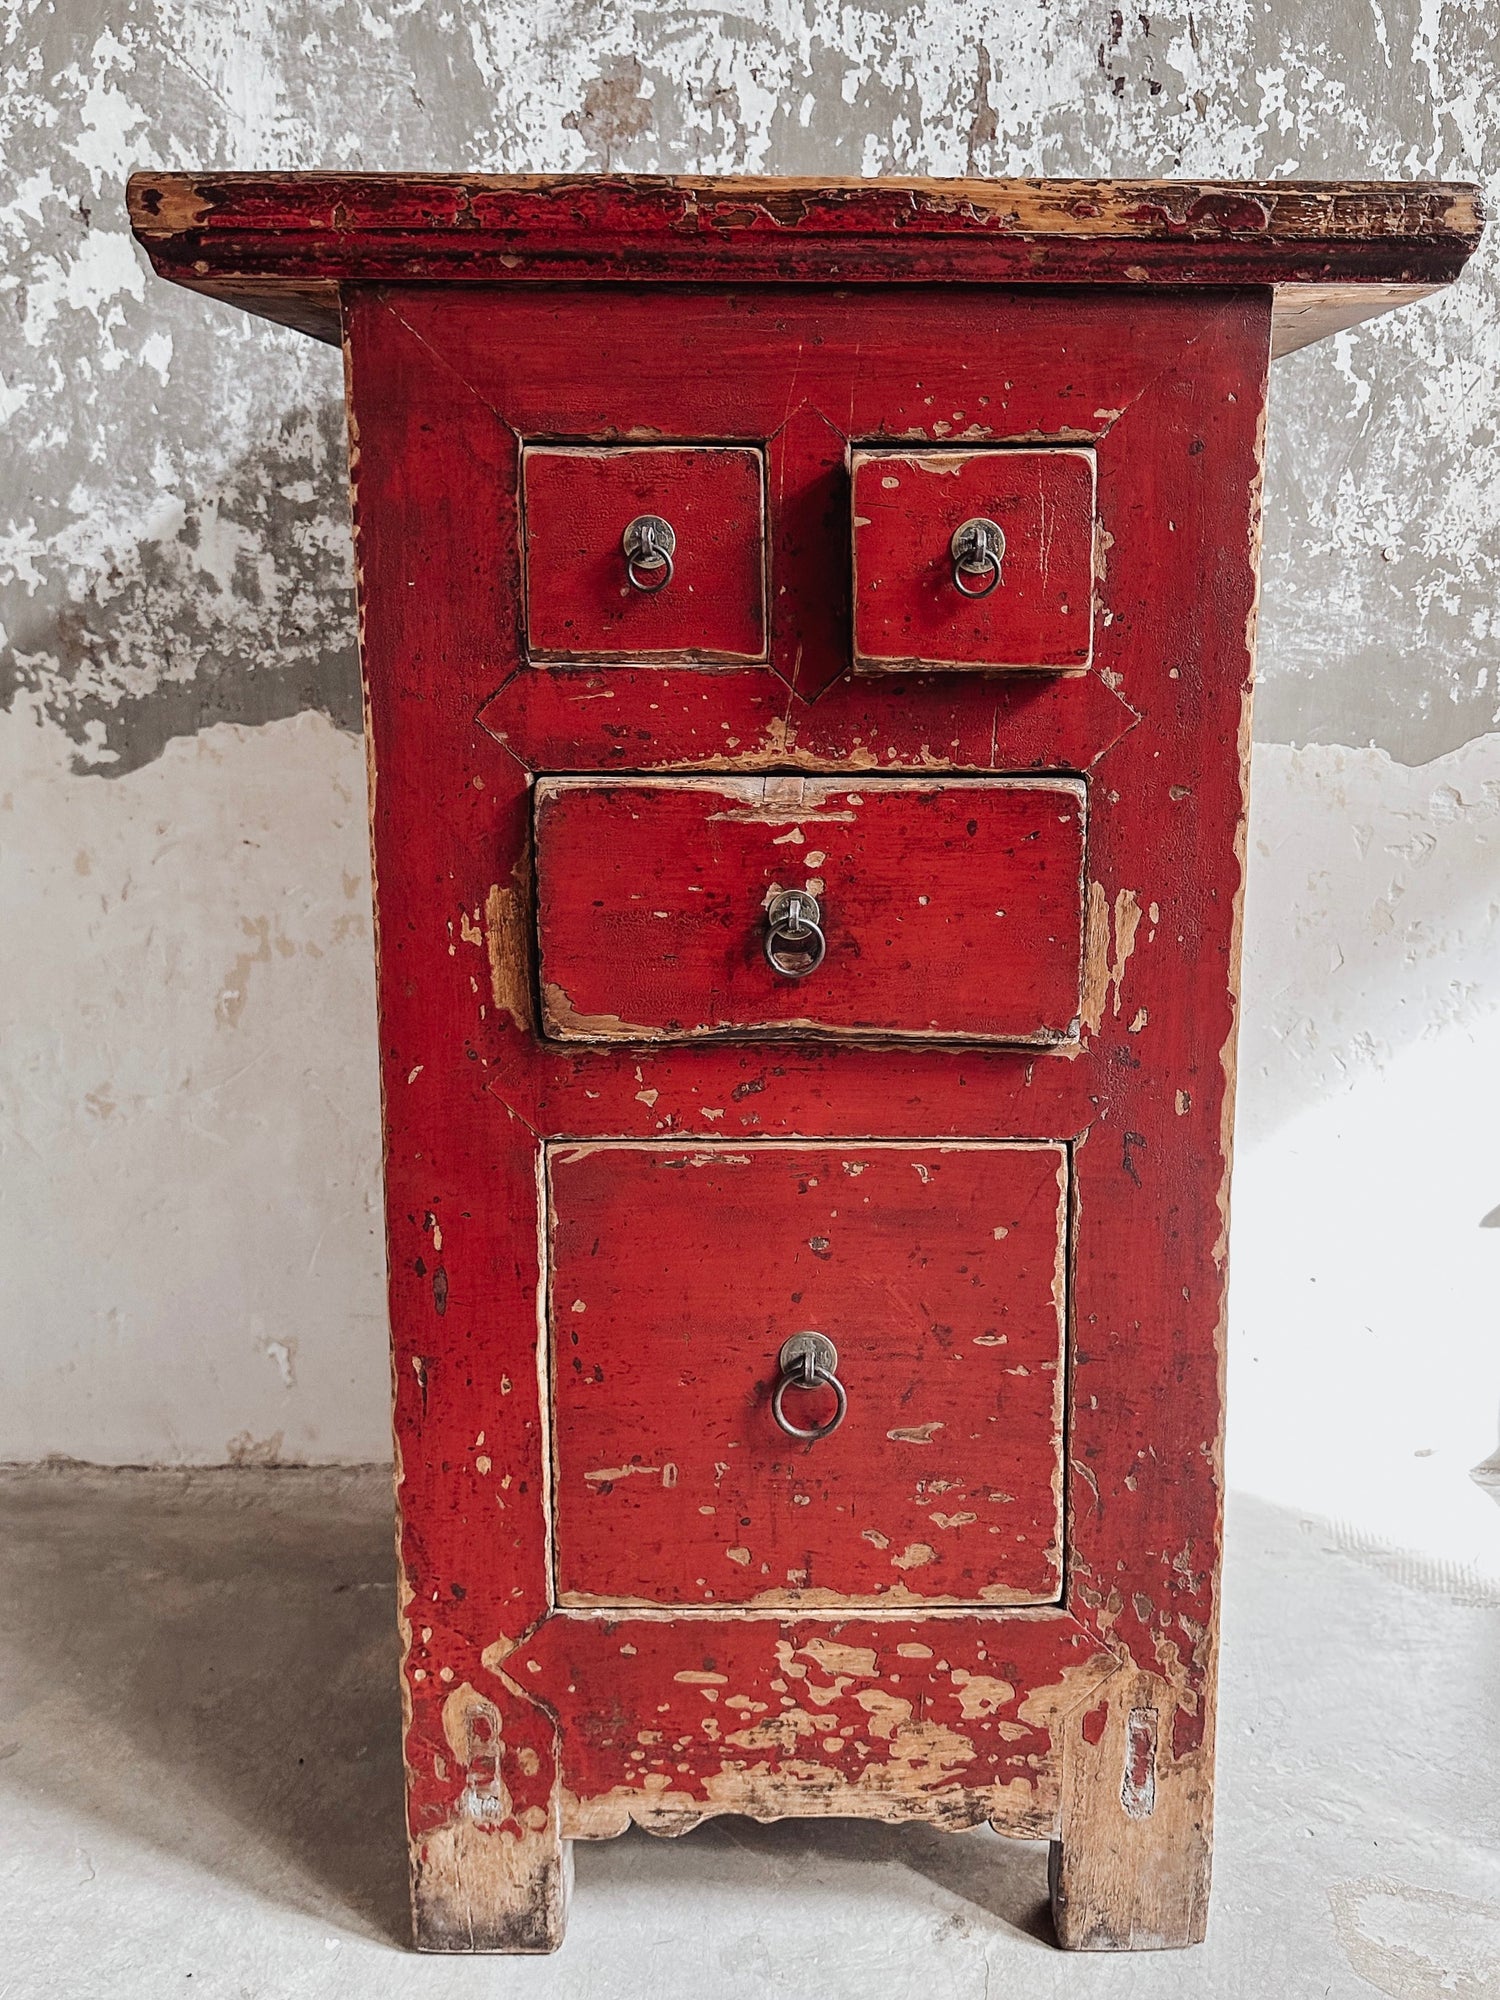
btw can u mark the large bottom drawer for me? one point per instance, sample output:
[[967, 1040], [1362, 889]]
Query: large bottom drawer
[[677, 1274]]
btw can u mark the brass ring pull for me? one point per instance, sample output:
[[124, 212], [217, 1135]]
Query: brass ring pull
[[808, 1361], [977, 549], [795, 944], [649, 544]]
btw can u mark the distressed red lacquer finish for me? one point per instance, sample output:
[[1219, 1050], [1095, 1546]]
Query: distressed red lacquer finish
[[919, 1718], [1023, 598], [1334, 251], [948, 908], [984, 1155], [1139, 1101], [939, 1275], [581, 601]]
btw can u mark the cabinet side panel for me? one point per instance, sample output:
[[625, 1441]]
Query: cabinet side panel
[[1179, 481], [437, 594]]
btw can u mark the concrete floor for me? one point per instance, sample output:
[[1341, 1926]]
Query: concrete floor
[[199, 1788]]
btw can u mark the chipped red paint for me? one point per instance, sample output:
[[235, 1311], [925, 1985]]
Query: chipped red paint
[[916, 1718], [1170, 397], [580, 603], [282, 244], [675, 1275], [951, 908], [907, 320], [665, 719], [914, 609]]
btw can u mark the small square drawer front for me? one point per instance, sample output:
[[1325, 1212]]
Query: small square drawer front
[[947, 909], [586, 599], [678, 1272], [973, 559]]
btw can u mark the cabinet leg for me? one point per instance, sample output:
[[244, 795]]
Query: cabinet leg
[[485, 1888], [494, 1873], [1130, 1868]]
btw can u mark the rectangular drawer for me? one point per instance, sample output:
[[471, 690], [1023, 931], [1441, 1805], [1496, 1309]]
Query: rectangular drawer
[[677, 1272], [1033, 607], [951, 908], [581, 604]]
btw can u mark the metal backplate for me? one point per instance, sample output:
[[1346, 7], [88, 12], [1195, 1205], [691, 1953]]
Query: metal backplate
[[825, 1356]]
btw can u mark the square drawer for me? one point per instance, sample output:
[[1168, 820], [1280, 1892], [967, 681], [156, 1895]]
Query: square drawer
[[707, 602], [949, 908], [1027, 603], [677, 1272]]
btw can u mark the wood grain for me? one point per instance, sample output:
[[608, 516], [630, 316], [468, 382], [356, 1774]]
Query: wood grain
[[1131, 1869], [289, 245], [1345, 249]]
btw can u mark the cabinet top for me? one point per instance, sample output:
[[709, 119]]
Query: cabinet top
[[282, 245]]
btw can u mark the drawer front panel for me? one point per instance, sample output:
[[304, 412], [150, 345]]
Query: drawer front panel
[[950, 909], [1033, 607], [677, 1272], [581, 604]]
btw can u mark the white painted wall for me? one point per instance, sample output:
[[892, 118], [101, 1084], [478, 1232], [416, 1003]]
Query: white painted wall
[[192, 1240], [189, 1239], [1364, 1359]]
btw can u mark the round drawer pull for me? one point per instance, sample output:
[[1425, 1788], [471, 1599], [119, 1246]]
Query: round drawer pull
[[795, 944], [977, 549], [807, 1361], [649, 544]]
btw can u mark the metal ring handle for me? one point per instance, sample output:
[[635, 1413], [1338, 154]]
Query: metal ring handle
[[808, 1361], [794, 921], [660, 566], [977, 549], [959, 573], [649, 544]]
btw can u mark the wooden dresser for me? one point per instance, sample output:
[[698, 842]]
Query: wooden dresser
[[807, 636]]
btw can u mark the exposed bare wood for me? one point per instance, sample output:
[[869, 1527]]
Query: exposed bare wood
[[951, 909], [952, 1718], [509, 941], [493, 1876], [1130, 1869], [1023, 1809], [488, 1888], [1305, 313]]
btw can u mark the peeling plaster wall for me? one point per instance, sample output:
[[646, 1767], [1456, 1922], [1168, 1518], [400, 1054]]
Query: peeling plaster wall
[[188, 1086], [176, 551]]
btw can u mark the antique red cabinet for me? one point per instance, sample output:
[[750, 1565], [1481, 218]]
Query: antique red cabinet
[[807, 633]]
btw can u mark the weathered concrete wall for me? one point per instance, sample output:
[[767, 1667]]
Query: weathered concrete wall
[[187, 1056]]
